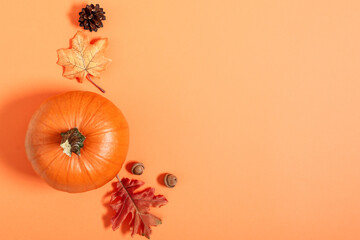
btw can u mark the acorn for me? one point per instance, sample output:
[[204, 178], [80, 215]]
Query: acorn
[[170, 180], [137, 168]]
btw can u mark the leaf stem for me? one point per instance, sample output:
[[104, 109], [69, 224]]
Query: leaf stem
[[98, 87], [132, 200], [117, 176]]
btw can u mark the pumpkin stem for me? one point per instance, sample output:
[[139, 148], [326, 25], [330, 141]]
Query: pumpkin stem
[[72, 141]]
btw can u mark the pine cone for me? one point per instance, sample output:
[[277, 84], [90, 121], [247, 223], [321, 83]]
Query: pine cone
[[91, 16]]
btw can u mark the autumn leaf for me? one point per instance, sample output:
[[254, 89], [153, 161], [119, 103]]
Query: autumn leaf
[[126, 202], [83, 59]]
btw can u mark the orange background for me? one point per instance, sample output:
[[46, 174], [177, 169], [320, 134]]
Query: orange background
[[254, 105]]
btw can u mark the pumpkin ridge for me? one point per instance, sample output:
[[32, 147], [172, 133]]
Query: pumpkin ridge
[[61, 113], [87, 107], [93, 114], [100, 132], [51, 162], [46, 125], [59, 169], [67, 174], [94, 168], [84, 169], [43, 144], [78, 111], [101, 157]]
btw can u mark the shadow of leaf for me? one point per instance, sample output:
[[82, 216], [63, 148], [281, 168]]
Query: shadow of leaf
[[106, 203]]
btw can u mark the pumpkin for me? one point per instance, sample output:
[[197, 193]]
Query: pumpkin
[[77, 141]]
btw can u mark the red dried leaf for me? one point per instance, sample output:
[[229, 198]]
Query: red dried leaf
[[125, 201]]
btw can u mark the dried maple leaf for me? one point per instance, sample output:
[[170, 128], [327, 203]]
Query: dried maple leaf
[[83, 59], [125, 201]]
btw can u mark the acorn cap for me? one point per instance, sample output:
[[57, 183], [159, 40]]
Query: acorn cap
[[170, 180], [138, 168]]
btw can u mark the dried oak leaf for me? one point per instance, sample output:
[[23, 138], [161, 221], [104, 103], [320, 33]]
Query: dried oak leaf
[[83, 59], [125, 201]]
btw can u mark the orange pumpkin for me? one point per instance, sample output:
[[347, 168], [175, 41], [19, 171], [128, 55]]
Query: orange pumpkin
[[77, 141]]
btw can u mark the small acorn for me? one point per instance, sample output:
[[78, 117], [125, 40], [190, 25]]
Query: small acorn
[[170, 180], [137, 168]]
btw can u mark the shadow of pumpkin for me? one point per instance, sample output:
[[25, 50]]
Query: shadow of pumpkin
[[14, 120]]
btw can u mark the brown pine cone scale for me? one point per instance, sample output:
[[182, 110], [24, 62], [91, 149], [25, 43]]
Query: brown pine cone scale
[[91, 17]]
